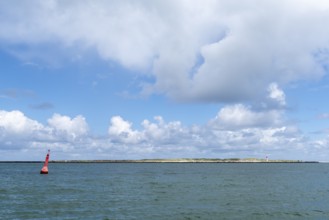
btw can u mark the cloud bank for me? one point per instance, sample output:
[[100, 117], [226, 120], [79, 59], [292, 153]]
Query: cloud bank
[[208, 51], [22, 138], [236, 131]]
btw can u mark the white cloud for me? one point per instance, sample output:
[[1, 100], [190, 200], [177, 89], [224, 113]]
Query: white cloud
[[276, 94], [17, 131], [240, 116], [121, 131], [161, 132], [70, 128], [236, 131], [206, 51], [23, 138], [16, 123]]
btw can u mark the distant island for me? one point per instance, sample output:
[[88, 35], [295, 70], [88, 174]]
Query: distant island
[[186, 160], [175, 160]]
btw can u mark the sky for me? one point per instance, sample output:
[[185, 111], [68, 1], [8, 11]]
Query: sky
[[136, 79]]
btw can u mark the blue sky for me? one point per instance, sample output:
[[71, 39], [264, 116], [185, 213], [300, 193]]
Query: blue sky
[[166, 79]]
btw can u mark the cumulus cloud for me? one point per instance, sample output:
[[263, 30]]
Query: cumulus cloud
[[164, 132], [153, 133], [241, 116], [222, 136], [235, 130], [17, 130], [70, 128], [223, 51], [15, 122], [276, 94], [121, 131]]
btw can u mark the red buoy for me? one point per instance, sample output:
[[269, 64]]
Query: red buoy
[[44, 169]]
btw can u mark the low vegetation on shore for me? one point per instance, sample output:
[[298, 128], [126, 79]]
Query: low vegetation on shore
[[184, 160]]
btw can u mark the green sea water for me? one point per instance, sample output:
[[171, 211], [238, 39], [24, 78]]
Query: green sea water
[[165, 191]]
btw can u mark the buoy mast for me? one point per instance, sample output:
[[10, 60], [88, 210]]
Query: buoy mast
[[44, 169]]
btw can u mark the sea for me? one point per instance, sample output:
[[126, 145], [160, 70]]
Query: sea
[[165, 191]]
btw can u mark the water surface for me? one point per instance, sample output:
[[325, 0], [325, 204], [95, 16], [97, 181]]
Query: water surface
[[165, 191]]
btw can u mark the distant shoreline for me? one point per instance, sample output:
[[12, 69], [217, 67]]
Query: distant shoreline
[[178, 160]]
